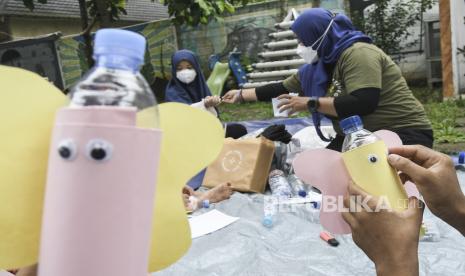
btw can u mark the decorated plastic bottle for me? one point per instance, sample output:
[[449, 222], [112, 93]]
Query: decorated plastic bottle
[[279, 185], [103, 167], [365, 157]]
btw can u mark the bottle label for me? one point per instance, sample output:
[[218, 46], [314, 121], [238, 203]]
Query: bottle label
[[369, 169]]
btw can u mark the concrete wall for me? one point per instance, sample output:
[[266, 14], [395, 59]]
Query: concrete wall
[[457, 8], [247, 29]]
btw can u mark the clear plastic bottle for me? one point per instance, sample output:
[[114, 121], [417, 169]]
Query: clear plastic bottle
[[279, 185], [115, 79], [356, 135], [270, 209], [298, 187]]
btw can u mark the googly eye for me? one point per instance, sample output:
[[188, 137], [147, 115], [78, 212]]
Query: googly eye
[[99, 150], [372, 158], [67, 150]]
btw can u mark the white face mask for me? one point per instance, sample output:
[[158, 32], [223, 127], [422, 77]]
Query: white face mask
[[307, 53], [186, 75]]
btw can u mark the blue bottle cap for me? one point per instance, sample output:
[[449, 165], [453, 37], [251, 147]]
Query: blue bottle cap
[[351, 124], [461, 157], [206, 204], [119, 42], [267, 221], [302, 193], [315, 204]]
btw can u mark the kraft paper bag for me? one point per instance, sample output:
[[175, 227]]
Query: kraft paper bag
[[243, 163]]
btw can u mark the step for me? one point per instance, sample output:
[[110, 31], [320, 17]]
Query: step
[[281, 44], [280, 53], [271, 74], [283, 34], [281, 63], [284, 25]]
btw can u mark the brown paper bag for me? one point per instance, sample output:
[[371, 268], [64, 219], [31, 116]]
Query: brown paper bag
[[243, 163]]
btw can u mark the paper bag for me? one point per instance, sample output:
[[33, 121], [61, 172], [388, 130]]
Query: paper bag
[[243, 163]]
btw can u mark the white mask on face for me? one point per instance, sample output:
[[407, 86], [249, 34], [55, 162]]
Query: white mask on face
[[307, 53], [186, 75]]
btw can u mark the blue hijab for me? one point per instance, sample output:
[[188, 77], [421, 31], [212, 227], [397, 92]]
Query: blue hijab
[[311, 25], [177, 91]]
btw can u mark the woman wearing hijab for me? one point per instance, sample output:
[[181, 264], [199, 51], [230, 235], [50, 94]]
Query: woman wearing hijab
[[188, 86], [347, 75], [188, 83]]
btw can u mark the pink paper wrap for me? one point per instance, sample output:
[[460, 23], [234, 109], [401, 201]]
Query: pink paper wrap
[[98, 214]]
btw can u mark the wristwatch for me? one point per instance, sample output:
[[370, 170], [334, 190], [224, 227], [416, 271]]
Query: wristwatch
[[313, 104]]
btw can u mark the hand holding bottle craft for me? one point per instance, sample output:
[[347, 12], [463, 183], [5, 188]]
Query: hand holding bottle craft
[[365, 163]]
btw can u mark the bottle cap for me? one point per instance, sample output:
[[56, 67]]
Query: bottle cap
[[206, 204], [461, 157], [119, 42], [302, 193], [267, 221], [351, 124]]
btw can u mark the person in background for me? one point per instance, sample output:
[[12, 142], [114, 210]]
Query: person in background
[[346, 75], [188, 84], [390, 238]]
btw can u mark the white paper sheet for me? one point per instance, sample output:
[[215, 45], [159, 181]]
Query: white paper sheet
[[5, 273], [209, 222]]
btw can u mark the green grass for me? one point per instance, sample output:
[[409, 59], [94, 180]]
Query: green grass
[[246, 112], [445, 117]]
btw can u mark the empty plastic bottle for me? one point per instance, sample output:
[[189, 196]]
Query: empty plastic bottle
[[270, 209], [115, 79], [278, 184], [298, 187], [356, 135]]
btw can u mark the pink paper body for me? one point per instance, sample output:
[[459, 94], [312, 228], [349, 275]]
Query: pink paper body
[[98, 215]]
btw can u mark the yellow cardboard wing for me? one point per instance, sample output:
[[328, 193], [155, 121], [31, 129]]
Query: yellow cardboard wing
[[27, 108], [192, 139]]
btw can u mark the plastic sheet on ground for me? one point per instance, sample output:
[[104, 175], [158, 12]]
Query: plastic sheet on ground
[[293, 125], [293, 247]]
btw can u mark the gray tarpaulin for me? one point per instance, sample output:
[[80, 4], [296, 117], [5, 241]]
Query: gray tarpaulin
[[293, 247]]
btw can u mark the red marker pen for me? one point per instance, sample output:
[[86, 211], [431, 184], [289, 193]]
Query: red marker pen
[[328, 238]]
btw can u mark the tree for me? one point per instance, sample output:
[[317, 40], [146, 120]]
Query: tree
[[92, 11], [388, 22]]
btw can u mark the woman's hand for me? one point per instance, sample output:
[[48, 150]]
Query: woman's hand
[[292, 103], [211, 101], [232, 96]]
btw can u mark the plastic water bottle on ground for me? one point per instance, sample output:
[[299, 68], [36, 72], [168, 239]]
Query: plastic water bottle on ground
[[270, 209], [298, 187], [432, 233], [279, 185]]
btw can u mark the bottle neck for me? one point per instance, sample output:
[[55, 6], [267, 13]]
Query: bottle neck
[[352, 129], [118, 62]]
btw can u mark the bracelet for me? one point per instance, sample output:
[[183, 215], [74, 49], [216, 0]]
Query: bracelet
[[241, 98]]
